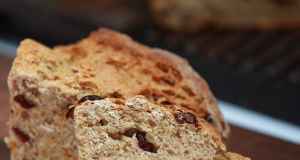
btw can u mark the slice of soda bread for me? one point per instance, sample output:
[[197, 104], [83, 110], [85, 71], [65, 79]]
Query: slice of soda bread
[[138, 129]]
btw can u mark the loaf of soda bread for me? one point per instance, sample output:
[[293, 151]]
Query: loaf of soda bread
[[138, 129], [192, 15], [44, 82]]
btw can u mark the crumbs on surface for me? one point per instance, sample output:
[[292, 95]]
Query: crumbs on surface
[[157, 113], [46, 128]]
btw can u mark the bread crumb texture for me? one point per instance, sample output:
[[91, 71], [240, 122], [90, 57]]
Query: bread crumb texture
[[108, 130]]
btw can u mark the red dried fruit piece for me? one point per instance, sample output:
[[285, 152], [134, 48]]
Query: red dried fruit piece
[[70, 113], [191, 119], [23, 137], [90, 98], [179, 117], [23, 102], [185, 117], [143, 143]]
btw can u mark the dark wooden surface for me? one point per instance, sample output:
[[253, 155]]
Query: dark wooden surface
[[248, 143]]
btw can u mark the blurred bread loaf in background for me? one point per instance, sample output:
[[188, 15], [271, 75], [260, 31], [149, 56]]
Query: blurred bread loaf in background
[[192, 15]]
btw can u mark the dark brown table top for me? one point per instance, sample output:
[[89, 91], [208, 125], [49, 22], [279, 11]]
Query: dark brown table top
[[243, 141]]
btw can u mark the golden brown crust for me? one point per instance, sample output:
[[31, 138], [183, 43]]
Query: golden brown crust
[[199, 97]]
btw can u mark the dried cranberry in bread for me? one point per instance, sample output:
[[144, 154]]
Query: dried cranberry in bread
[[138, 129], [44, 82], [192, 15]]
